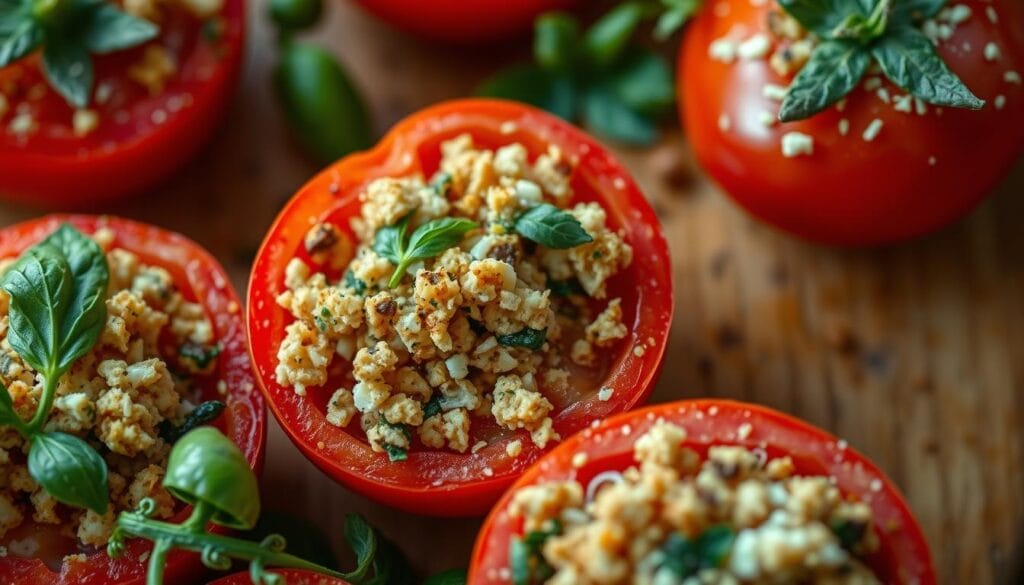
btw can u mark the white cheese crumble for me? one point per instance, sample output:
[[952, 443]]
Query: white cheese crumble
[[767, 119], [723, 49], [873, 130], [844, 127], [756, 47], [903, 103], [605, 393], [999, 102], [1012, 77], [774, 92], [84, 122], [992, 52], [795, 144]]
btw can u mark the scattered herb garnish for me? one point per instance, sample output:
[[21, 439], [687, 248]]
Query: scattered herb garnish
[[69, 32], [204, 414], [529, 338], [432, 407], [854, 33], [429, 240], [552, 227], [396, 453], [686, 557], [201, 355], [357, 285], [565, 288], [441, 184], [525, 558], [849, 533], [617, 88], [56, 313]]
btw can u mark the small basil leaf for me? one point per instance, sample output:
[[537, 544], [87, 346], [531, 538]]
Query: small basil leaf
[[450, 577], [529, 338], [532, 85], [606, 115], [362, 538], [23, 37], [642, 81], [675, 16], [834, 69], [555, 39], [551, 227], [909, 12], [8, 416], [203, 414], [434, 237], [389, 241], [69, 470], [909, 60], [605, 40], [110, 29], [69, 68], [824, 16], [57, 307]]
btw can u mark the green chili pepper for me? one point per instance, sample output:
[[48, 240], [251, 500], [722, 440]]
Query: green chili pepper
[[323, 107], [295, 15]]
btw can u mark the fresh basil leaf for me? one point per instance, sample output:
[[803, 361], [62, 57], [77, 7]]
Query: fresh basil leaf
[[529, 338], [551, 227], [389, 241], [909, 60], [435, 237], [23, 37], [69, 470], [535, 86], [555, 41], [449, 577], [606, 115], [912, 12], [823, 17], [8, 416], [834, 69], [605, 40], [203, 414], [57, 308], [677, 12], [642, 81], [362, 538], [110, 29]]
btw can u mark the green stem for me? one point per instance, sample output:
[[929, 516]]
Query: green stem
[[157, 563], [45, 405], [396, 276]]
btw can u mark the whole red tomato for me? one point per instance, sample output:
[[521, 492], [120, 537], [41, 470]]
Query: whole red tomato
[[142, 137], [902, 556], [291, 576], [201, 279], [447, 483], [921, 172], [462, 22]]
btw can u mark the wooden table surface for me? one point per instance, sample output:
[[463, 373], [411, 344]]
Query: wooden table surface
[[915, 353]]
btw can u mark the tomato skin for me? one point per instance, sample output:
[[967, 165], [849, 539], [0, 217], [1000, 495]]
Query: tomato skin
[[903, 556], [461, 22], [851, 192], [110, 164], [445, 483], [244, 419], [292, 577]]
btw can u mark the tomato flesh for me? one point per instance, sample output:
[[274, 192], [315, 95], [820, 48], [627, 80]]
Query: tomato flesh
[[902, 557], [919, 174], [201, 279], [440, 482]]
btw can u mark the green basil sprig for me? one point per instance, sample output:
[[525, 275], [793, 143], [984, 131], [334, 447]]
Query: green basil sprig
[[207, 471], [854, 33], [429, 240], [69, 32], [551, 227], [617, 88], [56, 314]]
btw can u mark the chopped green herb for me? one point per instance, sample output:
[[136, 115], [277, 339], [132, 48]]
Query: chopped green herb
[[442, 183], [530, 338], [525, 558], [686, 557], [354, 283], [432, 407], [203, 414], [552, 227], [201, 355], [849, 533], [565, 288], [396, 453]]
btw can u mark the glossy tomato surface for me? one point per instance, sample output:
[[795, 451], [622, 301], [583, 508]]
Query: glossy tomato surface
[[441, 482], [291, 576], [902, 558], [142, 138], [461, 21], [201, 279], [919, 174]]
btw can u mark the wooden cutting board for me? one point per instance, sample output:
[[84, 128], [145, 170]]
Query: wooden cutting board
[[915, 354]]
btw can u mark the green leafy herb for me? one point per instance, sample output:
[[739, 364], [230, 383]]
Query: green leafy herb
[[69, 470], [565, 288], [676, 13], [529, 338], [354, 283], [396, 453], [441, 184], [204, 414], [849, 533], [856, 32], [362, 538], [68, 32], [429, 240], [685, 557], [201, 355], [556, 35], [526, 561], [432, 407], [552, 227], [56, 313]]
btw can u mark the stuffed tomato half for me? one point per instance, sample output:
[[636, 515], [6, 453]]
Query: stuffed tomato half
[[704, 491], [148, 342], [102, 99], [429, 317]]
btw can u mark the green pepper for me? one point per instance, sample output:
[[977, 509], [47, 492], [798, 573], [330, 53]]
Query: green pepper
[[323, 107]]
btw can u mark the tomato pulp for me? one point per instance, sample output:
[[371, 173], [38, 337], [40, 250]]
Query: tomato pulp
[[919, 174], [902, 556], [448, 483], [142, 137], [200, 278]]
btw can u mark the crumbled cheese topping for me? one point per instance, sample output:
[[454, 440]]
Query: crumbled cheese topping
[[796, 144], [873, 130]]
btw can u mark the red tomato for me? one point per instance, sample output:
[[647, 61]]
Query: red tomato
[[921, 173], [458, 21], [200, 278], [436, 482], [902, 557], [292, 577], [141, 138]]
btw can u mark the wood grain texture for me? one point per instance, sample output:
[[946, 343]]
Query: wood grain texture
[[915, 353]]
